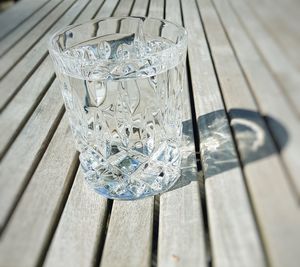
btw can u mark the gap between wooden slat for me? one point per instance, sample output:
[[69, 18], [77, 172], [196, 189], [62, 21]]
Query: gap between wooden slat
[[103, 233], [10, 13], [283, 71], [156, 9], [17, 34], [4, 148], [230, 127], [13, 130], [268, 97], [155, 231], [47, 243], [30, 62], [225, 227], [20, 85], [48, 240], [13, 56], [39, 154], [32, 169], [276, 221], [283, 25], [197, 139]]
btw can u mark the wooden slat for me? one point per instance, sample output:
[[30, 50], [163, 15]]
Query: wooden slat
[[51, 178], [268, 94], [37, 130], [14, 36], [181, 234], [26, 150], [181, 231], [289, 79], [10, 58], [233, 234], [17, 14], [140, 8], [25, 237], [130, 227], [128, 241], [77, 236], [14, 116], [283, 25], [22, 71], [283, 69], [279, 225], [123, 8], [156, 9], [18, 110]]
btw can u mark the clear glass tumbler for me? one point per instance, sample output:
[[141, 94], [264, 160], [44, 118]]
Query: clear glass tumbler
[[121, 81]]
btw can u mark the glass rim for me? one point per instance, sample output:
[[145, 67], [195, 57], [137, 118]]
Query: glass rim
[[182, 43]]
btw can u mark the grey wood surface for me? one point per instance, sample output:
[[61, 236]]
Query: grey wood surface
[[80, 230], [259, 174], [19, 109], [10, 58], [18, 14], [129, 233], [27, 150], [282, 20], [242, 81], [181, 240], [267, 93], [229, 211], [282, 68], [14, 36], [25, 67], [26, 236]]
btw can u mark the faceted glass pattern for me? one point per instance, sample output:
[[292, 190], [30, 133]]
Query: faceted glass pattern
[[122, 88]]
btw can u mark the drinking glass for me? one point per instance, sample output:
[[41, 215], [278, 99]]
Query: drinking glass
[[121, 80]]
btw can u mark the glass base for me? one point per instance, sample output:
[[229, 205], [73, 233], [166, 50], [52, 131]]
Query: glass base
[[130, 189]]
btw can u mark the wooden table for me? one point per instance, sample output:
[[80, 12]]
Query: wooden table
[[243, 80]]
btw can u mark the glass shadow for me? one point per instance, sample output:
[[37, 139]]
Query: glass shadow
[[217, 147]]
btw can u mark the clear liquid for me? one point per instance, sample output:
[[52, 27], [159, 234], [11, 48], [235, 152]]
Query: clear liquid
[[127, 125]]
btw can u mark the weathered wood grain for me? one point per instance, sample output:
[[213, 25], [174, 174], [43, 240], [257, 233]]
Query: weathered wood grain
[[261, 172], [19, 109], [12, 56], [254, 73], [181, 233], [267, 94], [26, 235], [14, 36], [139, 8], [156, 9], [12, 81], [129, 233], [282, 24], [18, 14], [18, 163], [283, 69], [31, 142], [181, 230], [231, 222], [107, 9], [77, 236]]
